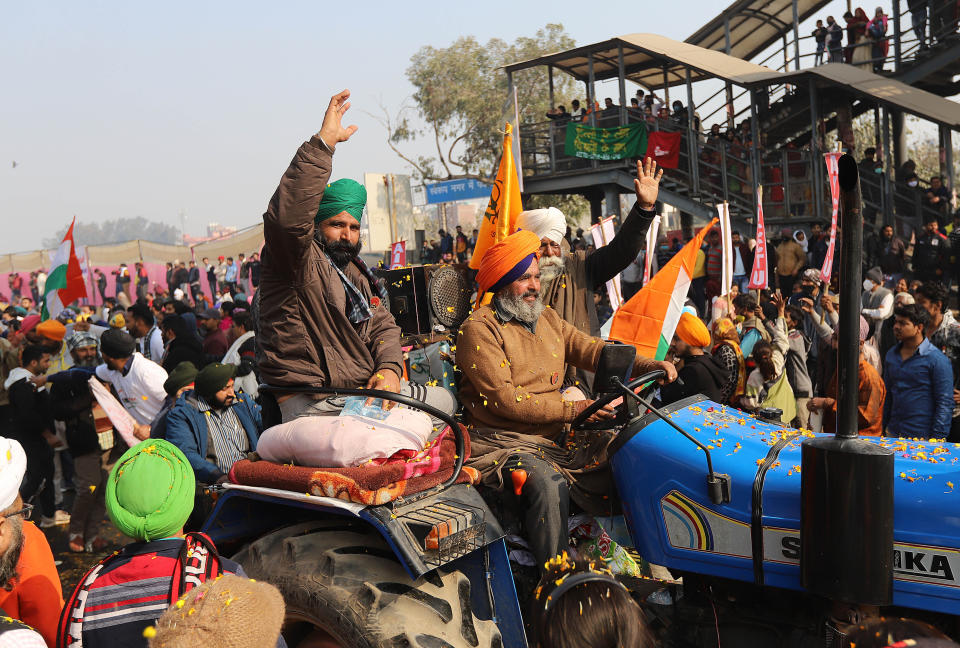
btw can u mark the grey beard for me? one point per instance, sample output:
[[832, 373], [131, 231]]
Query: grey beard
[[515, 306], [92, 362], [9, 559], [550, 269]]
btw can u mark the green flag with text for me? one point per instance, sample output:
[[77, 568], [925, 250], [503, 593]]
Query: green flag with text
[[628, 141]]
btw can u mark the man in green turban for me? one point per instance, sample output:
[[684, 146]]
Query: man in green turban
[[149, 495], [150, 491], [324, 319]]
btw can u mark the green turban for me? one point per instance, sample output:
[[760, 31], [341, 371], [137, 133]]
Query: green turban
[[213, 378], [344, 195], [150, 491]]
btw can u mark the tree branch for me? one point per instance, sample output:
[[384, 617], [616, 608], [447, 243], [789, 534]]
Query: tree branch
[[450, 151], [436, 137], [387, 123]]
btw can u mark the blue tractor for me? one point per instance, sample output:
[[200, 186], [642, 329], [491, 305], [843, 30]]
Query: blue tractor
[[776, 536]]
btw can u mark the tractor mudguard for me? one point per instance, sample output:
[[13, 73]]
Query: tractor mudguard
[[424, 533], [468, 537]]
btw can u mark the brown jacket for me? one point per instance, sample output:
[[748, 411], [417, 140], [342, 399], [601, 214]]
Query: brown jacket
[[305, 337], [791, 258], [512, 378]]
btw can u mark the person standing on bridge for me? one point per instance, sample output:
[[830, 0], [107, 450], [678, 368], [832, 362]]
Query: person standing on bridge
[[834, 41]]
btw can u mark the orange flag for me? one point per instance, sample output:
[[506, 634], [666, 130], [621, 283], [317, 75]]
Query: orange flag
[[650, 318], [500, 219]]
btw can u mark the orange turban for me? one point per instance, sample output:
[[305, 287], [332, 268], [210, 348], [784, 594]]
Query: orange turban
[[693, 331], [506, 261], [52, 330]]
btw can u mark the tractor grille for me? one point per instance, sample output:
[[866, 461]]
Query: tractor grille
[[445, 530]]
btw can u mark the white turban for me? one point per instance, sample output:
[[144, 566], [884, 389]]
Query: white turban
[[545, 223], [13, 463]]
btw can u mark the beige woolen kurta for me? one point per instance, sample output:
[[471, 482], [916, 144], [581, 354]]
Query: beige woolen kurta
[[511, 393]]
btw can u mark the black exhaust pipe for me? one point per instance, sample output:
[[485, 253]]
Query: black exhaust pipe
[[846, 520]]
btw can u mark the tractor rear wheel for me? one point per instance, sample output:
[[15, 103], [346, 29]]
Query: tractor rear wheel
[[343, 586]]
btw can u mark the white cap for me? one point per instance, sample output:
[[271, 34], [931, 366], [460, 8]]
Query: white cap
[[545, 223], [13, 464]]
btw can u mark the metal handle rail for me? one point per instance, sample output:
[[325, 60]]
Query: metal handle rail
[[391, 396]]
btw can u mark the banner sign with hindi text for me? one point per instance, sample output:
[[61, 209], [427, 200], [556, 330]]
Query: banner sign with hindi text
[[606, 143], [758, 276], [834, 176], [453, 190]]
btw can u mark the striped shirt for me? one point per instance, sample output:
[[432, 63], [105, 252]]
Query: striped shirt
[[714, 262], [131, 593], [227, 441]]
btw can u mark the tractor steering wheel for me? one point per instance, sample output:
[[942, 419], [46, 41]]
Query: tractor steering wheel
[[580, 423]]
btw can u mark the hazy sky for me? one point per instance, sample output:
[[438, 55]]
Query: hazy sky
[[114, 109]]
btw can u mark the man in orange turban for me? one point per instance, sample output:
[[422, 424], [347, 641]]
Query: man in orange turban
[[700, 373], [512, 353]]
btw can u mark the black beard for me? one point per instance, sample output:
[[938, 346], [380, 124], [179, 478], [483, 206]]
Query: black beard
[[9, 559], [340, 251], [223, 404]]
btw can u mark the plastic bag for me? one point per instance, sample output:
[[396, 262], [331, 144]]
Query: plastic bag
[[357, 406], [595, 542]]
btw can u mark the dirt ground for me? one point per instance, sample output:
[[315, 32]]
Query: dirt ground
[[73, 566]]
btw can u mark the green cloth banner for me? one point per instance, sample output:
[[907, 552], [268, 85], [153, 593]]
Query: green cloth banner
[[606, 143]]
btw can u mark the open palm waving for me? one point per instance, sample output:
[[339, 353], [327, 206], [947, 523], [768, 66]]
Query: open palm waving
[[647, 184]]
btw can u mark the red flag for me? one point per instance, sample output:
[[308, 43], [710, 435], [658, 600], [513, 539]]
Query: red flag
[[833, 173], [398, 255], [758, 276], [664, 148]]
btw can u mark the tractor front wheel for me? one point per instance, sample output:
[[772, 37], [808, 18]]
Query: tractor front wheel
[[343, 586]]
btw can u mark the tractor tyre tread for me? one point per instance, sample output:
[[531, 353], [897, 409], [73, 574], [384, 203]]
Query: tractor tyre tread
[[344, 577]]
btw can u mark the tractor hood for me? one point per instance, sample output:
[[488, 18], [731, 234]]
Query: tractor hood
[[755, 537]]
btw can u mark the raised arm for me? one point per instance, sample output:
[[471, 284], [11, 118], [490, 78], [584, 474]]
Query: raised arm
[[608, 261], [778, 332], [288, 222]]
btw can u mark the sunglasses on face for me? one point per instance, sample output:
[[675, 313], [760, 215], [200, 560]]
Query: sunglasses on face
[[25, 512]]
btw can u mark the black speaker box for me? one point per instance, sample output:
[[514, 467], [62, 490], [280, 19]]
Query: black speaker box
[[427, 299]]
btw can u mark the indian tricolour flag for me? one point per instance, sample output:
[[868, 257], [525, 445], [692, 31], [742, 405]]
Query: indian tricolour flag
[[65, 279], [650, 318]]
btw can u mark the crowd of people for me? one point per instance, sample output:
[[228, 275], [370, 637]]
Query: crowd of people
[[868, 42], [776, 347], [185, 370], [177, 366], [868, 38], [200, 286]]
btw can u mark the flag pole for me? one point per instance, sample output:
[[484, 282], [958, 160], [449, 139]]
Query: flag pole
[[723, 241]]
